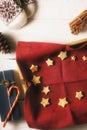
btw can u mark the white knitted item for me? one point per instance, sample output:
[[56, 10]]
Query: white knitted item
[[12, 14], [29, 6]]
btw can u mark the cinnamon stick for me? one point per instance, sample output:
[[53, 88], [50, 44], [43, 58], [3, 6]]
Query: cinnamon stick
[[78, 23]]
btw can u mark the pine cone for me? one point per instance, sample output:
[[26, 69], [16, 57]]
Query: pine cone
[[4, 44]]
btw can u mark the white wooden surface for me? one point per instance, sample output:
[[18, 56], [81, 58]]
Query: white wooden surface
[[50, 24]]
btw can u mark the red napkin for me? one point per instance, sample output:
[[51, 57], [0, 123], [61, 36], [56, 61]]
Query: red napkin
[[66, 80]]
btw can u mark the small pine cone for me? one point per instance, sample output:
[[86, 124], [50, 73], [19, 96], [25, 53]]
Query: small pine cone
[[4, 44]]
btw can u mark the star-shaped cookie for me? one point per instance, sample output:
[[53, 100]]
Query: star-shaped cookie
[[46, 90], [45, 102], [34, 68], [36, 79], [62, 102], [79, 95], [84, 58], [62, 55], [49, 62], [73, 58]]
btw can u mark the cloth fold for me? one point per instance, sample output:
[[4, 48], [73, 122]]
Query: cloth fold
[[65, 79]]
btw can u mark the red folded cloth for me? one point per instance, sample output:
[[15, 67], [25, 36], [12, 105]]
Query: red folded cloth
[[57, 96]]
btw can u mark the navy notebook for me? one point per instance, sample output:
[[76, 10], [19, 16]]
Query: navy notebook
[[5, 101]]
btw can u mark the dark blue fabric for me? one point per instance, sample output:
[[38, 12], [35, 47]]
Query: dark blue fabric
[[5, 101]]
